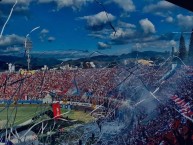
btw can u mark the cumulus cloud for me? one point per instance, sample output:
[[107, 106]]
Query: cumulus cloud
[[44, 31], [43, 34], [130, 33], [173, 43], [13, 1], [157, 45], [147, 26], [11, 40], [102, 46], [134, 37], [126, 5], [50, 39], [159, 6], [122, 26], [122, 36], [13, 49], [45, 1], [22, 7], [169, 19], [97, 21], [104, 34], [74, 4], [125, 25], [185, 21]]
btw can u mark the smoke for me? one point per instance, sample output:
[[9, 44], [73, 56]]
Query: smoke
[[10, 14]]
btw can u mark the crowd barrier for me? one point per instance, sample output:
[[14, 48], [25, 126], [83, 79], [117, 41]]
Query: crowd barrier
[[21, 102]]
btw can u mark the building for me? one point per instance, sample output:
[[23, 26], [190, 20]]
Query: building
[[11, 67], [45, 67], [145, 62], [88, 64]]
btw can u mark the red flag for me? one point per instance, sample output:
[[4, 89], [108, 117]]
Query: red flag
[[174, 97], [56, 110], [185, 108]]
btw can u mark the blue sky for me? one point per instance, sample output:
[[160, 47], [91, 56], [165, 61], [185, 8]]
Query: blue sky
[[75, 28]]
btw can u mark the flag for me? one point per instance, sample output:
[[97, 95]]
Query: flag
[[174, 97], [74, 90], [184, 106], [56, 110]]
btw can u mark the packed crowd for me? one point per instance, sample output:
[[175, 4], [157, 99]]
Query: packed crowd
[[96, 86], [75, 85], [170, 125], [168, 128]]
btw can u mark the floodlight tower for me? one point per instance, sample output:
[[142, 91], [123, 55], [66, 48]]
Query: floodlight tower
[[28, 47]]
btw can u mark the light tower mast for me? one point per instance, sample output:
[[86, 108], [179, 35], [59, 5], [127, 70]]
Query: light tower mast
[[28, 47]]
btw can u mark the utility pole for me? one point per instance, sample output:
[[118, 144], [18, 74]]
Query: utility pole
[[28, 47]]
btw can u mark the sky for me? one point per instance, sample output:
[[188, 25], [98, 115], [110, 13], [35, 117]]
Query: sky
[[76, 28]]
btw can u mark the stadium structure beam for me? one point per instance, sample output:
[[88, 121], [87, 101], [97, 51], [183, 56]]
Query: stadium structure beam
[[187, 4]]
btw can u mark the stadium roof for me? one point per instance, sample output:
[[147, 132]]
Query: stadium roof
[[183, 3]]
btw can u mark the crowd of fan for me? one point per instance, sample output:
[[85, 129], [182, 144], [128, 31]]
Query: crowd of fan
[[69, 84], [151, 75], [169, 126]]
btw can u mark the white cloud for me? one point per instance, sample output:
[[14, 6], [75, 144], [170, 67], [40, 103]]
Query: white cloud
[[45, 1], [22, 6], [74, 4], [173, 43], [50, 39], [122, 36], [147, 26], [11, 40], [122, 33], [169, 19], [44, 31], [96, 35], [71, 3], [125, 25], [102, 45], [126, 5], [98, 21], [185, 21], [155, 45], [160, 6], [104, 34], [13, 1], [13, 49], [43, 34]]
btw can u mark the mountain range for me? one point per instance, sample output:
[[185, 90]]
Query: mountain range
[[100, 60]]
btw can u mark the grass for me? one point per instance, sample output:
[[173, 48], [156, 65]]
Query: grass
[[78, 115], [22, 113]]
